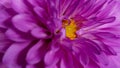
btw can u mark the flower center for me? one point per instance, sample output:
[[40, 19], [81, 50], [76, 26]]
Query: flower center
[[70, 29]]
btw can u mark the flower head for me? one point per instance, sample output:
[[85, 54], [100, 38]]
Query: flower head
[[59, 33]]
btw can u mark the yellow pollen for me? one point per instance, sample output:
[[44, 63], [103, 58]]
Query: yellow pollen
[[70, 29]]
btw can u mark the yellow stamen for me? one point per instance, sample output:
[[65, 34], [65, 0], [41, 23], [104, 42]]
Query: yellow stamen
[[70, 29]]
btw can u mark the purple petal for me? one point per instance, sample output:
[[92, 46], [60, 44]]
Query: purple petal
[[87, 6], [51, 9], [19, 6], [95, 8], [84, 59], [107, 20], [104, 13], [6, 3], [106, 35], [3, 37], [34, 54], [10, 57], [24, 22], [90, 46], [30, 66], [12, 35], [52, 57], [82, 55], [92, 64], [114, 61], [37, 2], [53, 66], [103, 58], [72, 8], [112, 64], [66, 5], [108, 49], [39, 33], [66, 61], [34, 2], [41, 12], [3, 16], [4, 42]]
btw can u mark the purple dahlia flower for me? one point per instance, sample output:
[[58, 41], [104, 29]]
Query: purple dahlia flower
[[59, 34]]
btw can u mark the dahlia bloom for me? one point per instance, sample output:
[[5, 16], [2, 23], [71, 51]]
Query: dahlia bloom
[[59, 34]]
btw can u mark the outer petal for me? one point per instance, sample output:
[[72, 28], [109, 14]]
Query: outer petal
[[24, 22], [116, 60], [6, 3], [66, 61], [10, 57], [54, 66], [41, 12], [105, 13], [19, 6], [30, 66], [52, 57], [36, 53], [84, 59], [92, 64], [37, 2], [103, 58], [12, 35], [4, 42], [3, 16]]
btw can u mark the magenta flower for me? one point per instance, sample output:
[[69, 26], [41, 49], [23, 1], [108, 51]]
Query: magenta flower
[[59, 33]]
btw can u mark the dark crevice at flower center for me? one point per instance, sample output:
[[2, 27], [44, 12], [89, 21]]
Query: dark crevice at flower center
[[70, 28]]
